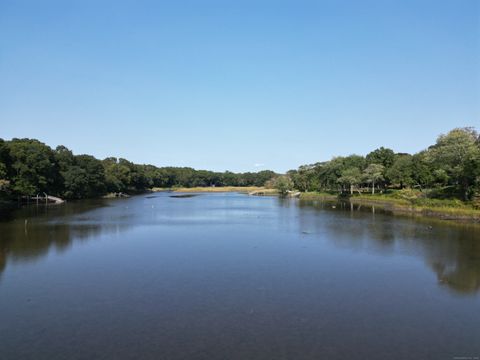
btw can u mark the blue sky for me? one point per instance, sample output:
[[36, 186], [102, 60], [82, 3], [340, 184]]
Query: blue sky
[[229, 84]]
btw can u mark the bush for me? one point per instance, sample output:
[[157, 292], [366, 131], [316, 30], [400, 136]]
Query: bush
[[408, 194], [283, 184], [476, 200]]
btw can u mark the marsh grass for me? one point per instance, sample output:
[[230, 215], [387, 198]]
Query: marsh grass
[[407, 203], [213, 189], [446, 208]]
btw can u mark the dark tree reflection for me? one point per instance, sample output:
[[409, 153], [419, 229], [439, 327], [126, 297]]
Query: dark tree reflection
[[30, 233], [451, 250]]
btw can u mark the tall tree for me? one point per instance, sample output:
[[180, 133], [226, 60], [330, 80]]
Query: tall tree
[[33, 167], [457, 153], [401, 171], [94, 181], [4, 161], [350, 177], [382, 156], [373, 174]]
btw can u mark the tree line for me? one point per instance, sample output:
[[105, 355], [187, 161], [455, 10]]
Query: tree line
[[450, 168], [29, 167]]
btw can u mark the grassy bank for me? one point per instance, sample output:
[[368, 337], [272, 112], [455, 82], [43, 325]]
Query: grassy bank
[[314, 195], [439, 208], [445, 209]]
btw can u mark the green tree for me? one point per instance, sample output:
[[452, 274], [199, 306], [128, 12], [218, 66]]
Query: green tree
[[229, 179], [354, 160], [302, 178], [457, 154], [283, 184], [401, 172], [117, 176], [350, 177], [4, 182], [422, 171], [94, 176], [33, 167], [373, 174], [64, 157], [76, 183], [261, 177], [382, 156]]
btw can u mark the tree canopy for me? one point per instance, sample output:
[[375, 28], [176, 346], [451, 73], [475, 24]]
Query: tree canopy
[[451, 166], [29, 167]]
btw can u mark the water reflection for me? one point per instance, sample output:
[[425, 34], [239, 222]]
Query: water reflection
[[451, 250], [231, 276], [29, 233]]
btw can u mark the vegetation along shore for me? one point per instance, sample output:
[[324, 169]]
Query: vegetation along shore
[[438, 208], [214, 189], [442, 180]]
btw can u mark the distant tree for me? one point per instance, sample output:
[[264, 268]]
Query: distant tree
[[229, 179], [261, 177], [4, 182], [161, 178], [401, 171], [382, 156], [350, 177], [33, 167], [373, 174], [64, 157], [283, 184], [117, 176], [94, 176], [4, 156], [354, 160], [440, 177], [3, 160], [450, 167], [185, 176], [76, 183], [65, 161], [3, 171], [457, 155], [301, 178], [422, 171], [138, 179], [329, 172]]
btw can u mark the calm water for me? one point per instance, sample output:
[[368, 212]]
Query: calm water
[[228, 276]]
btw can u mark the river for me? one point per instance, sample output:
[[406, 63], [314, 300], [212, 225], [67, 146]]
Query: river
[[231, 276]]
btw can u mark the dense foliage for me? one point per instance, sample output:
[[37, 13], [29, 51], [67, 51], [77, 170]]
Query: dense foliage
[[29, 167], [448, 169]]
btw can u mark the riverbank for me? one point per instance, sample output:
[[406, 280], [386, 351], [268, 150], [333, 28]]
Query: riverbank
[[313, 195], [440, 209]]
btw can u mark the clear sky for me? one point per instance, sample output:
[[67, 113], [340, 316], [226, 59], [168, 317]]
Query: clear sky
[[238, 85]]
